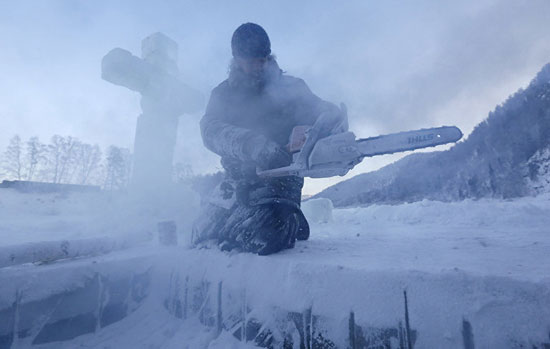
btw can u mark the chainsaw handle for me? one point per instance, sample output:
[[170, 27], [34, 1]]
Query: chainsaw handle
[[297, 138]]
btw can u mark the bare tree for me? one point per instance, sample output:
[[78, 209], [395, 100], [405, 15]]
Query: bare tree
[[13, 161], [88, 161], [69, 150], [61, 158], [66, 160], [35, 156], [54, 152], [117, 168]]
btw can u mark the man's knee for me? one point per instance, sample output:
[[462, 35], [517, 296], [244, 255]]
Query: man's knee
[[268, 229], [263, 229], [209, 223]]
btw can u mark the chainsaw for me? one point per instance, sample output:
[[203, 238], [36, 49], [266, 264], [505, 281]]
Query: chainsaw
[[336, 154]]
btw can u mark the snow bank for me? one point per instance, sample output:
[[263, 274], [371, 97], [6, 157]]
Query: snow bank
[[49, 251], [478, 269], [278, 300], [34, 217]]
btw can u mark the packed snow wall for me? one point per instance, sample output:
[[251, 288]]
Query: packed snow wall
[[44, 303], [272, 302], [475, 274], [275, 302]]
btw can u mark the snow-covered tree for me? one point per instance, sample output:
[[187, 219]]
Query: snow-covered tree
[[498, 159]]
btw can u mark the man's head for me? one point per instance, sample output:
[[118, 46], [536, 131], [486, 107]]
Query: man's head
[[251, 48]]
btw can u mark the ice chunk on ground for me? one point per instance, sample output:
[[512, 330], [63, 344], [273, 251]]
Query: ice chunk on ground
[[318, 210]]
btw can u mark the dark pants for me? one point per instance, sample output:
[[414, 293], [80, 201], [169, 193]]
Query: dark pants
[[252, 218]]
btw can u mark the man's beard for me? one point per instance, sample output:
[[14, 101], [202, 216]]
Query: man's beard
[[253, 82]]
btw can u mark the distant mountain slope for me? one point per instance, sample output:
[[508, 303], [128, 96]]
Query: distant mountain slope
[[507, 155]]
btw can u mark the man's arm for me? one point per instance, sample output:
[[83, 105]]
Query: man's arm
[[228, 140], [221, 137], [325, 117]]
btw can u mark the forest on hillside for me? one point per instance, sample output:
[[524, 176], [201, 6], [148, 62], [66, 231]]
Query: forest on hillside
[[502, 155]]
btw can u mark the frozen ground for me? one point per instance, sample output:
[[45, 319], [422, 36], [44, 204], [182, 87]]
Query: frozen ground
[[487, 261], [34, 217], [38, 227], [485, 237]]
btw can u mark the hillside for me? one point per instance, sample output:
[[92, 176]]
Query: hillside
[[506, 156]]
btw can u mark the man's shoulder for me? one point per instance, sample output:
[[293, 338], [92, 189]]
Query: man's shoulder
[[223, 86], [293, 84], [289, 80]]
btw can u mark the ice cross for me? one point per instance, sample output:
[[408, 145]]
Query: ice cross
[[164, 97]]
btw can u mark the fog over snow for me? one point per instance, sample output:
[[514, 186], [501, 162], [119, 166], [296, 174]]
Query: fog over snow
[[397, 65], [440, 250]]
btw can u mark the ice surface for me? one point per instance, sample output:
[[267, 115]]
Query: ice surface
[[318, 210], [485, 261], [159, 43], [122, 68], [159, 50], [165, 97], [489, 237]]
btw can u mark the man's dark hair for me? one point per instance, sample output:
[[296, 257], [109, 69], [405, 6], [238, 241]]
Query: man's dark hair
[[250, 41]]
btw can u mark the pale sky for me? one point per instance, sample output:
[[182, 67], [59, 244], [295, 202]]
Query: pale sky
[[398, 65]]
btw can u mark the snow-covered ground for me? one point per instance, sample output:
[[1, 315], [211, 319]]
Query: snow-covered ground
[[33, 217], [484, 237], [41, 227], [485, 261]]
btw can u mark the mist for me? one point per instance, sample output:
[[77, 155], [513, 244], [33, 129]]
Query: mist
[[119, 228], [396, 66]]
